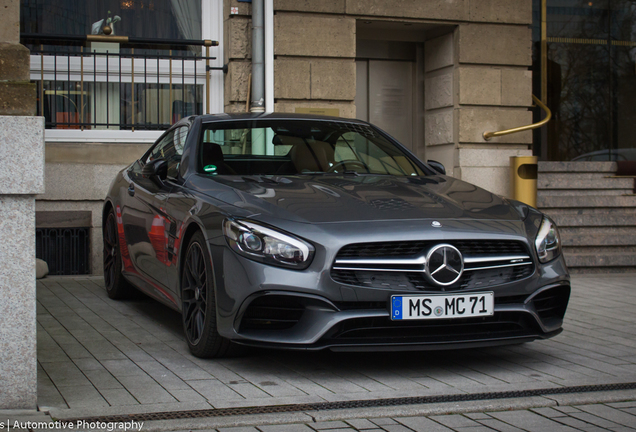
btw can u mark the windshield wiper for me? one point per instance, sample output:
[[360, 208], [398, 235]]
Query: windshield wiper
[[260, 179], [345, 172], [351, 172]]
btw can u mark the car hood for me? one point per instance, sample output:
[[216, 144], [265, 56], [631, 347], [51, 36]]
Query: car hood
[[356, 198]]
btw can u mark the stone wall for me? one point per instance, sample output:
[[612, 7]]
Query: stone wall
[[21, 177], [77, 177], [314, 48], [478, 80], [494, 92]]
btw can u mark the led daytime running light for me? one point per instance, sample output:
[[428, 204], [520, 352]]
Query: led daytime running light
[[267, 245], [547, 242]]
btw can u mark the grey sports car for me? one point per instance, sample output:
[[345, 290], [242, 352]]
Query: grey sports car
[[308, 232]]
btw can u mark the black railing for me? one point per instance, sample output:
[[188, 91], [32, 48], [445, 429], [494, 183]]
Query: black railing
[[118, 82]]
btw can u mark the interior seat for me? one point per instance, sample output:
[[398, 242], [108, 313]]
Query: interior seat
[[312, 156]]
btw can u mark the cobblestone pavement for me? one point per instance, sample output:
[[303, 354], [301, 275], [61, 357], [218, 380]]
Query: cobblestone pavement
[[101, 357]]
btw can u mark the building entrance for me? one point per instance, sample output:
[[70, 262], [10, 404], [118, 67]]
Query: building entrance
[[384, 96], [390, 82]]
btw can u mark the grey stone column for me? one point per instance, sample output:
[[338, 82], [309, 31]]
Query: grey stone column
[[21, 178]]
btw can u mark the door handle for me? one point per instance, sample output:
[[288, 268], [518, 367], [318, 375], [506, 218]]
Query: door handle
[[131, 190]]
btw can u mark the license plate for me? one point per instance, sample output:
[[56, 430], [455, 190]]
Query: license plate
[[442, 306]]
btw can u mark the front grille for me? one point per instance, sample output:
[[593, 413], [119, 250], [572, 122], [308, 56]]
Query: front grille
[[410, 277], [492, 277], [387, 249], [381, 329], [552, 303], [408, 248], [387, 280], [488, 247], [272, 313]]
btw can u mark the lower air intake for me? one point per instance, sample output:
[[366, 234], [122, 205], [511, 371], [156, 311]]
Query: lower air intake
[[272, 313]]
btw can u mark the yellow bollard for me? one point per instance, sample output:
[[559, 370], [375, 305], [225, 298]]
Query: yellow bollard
[[523, 179]]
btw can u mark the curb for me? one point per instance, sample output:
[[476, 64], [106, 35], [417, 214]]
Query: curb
[[419, 410]]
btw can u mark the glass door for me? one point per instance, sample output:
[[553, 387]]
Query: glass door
[[591, 79]]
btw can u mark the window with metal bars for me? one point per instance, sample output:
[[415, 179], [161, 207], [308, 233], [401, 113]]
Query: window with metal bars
[[65, 250]]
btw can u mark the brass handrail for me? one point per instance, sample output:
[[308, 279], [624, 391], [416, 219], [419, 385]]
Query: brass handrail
[[488, 135]]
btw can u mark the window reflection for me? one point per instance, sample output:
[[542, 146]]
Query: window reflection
[[91, 86], [591, 79], [165, 19]]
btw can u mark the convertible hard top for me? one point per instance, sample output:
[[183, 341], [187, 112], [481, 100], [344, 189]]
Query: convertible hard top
[[210, 118]]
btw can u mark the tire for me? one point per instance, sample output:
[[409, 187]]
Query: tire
[[117, 286], [199, 304]]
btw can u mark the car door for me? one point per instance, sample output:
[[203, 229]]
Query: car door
[[173, 215], [177, 207], [145, 221]]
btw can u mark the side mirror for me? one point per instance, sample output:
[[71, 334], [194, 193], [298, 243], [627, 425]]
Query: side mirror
[[437, 166], [156, 170]]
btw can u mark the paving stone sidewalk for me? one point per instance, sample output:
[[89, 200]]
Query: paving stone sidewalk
[[596, 417], [101, 357]]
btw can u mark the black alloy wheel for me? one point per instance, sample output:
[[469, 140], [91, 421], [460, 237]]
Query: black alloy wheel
[[195, 292], [198, 302], [117, 286]]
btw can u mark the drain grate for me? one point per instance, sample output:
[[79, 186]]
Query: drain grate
[[323, 406]]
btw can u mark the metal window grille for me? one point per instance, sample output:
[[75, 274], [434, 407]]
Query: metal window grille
[[65, 250], [138, 83]]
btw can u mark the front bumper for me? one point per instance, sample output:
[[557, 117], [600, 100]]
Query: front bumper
[[266, 306]]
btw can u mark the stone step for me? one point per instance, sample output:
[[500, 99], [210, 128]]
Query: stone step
[[595, 211], [583, 181], [599, 270], [582, 192], [601, 260], [577, 167], [600, 250], [594, 236], [550, 202], [592, 217]]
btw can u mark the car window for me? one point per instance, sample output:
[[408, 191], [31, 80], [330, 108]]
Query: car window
[[353, 148], [170, 148], [288, 147]]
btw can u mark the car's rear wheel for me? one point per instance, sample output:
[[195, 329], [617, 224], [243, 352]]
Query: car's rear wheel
[[117, 286], [199, 303]]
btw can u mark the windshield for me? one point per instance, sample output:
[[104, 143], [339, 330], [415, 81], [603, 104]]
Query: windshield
[[289, 147]]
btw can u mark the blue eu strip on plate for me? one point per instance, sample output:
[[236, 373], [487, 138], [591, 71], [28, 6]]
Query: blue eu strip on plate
[[396, 308]]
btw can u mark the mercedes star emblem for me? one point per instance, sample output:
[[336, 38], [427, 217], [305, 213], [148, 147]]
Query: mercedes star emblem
[[444, 264]]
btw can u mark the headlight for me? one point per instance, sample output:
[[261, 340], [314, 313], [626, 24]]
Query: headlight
[[548, 242], [267, 245]]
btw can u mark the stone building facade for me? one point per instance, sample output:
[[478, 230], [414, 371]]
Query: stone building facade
[[471, 67]]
